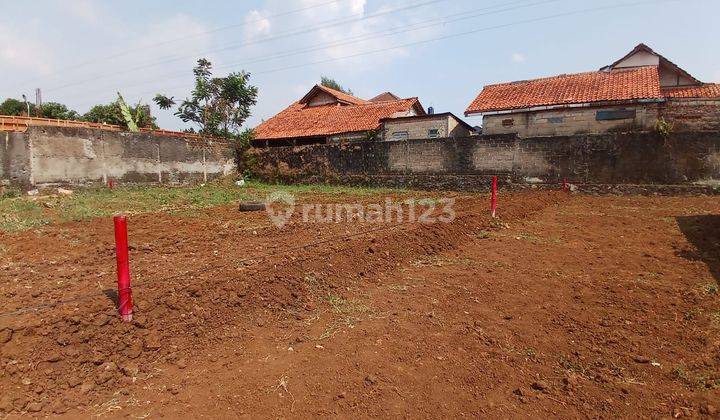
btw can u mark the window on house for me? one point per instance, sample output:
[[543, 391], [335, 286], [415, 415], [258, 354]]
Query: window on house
[[433, 133], [615, 114], [556, 120], [400, 135], [508, 122]]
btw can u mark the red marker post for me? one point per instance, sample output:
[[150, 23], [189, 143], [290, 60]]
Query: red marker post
[[565, 185], [110, 184], [493, 197], [125, 304]]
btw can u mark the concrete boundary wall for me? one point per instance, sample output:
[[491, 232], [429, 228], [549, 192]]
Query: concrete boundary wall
[[14, 159], [74, 156], [684, 159]]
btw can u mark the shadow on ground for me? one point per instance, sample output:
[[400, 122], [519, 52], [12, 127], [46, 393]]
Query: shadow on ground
[[704, 233], [112, 295]]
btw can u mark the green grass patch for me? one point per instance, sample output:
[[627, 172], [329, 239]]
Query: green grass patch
[[711, 289], [21, 212]]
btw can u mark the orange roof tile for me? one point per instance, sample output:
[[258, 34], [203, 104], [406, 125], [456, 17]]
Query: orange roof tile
[[616, 85], [707, 90], [299, 120]]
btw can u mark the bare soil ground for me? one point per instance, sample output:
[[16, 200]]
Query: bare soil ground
[[567, 306]]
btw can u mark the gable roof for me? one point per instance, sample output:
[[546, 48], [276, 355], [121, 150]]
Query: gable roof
[[663, 61], [342, 97], [385, 96], [300, 120], [642, 83]]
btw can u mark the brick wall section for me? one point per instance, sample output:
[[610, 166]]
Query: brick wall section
[[466, 163], [692, 115], [416, 129], [570, 121], [55, 155]]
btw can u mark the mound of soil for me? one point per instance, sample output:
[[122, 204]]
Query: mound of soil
[[193, 277]]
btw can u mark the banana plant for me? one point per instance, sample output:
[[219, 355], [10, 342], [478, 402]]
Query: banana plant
[[127, 114]]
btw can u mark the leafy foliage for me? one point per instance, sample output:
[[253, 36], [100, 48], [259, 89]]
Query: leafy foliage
[[245, 162], [164, 102], [664, 128], [14, 107], [372, 135], [332, 84], [112, 114], [127, 114], [218, 106], [52, 110], [58, 111]]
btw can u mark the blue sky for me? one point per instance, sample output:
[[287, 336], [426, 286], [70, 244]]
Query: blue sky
[[80, 52]]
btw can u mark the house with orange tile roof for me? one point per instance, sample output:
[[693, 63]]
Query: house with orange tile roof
[[327, 115], [631, 94]]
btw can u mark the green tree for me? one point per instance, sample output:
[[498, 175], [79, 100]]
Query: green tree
[[15, 107], [332, 84], [246, 162], [107, 114], [57, 111], [112, 114], [218, 106]]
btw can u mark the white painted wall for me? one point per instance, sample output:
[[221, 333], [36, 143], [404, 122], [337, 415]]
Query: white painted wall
[[639, 59]]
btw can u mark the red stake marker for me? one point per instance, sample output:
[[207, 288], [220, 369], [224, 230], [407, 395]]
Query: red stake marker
[[111, 184], [565, 185], [123, 268], [493, 197]]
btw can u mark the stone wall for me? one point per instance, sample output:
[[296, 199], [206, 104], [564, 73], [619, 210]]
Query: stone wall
[[467, 163], [55, 155], [571, 121], [692, 114]]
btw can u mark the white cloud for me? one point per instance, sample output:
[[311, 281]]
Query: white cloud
[[256, 24], [341, 29], [358, 6], [341, 32], [518, 57]]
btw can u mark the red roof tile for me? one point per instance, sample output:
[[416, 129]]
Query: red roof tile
[[707, 90], [616, 85], [299, 120]]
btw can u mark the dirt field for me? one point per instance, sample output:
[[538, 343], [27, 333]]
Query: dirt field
[[567, 306]]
